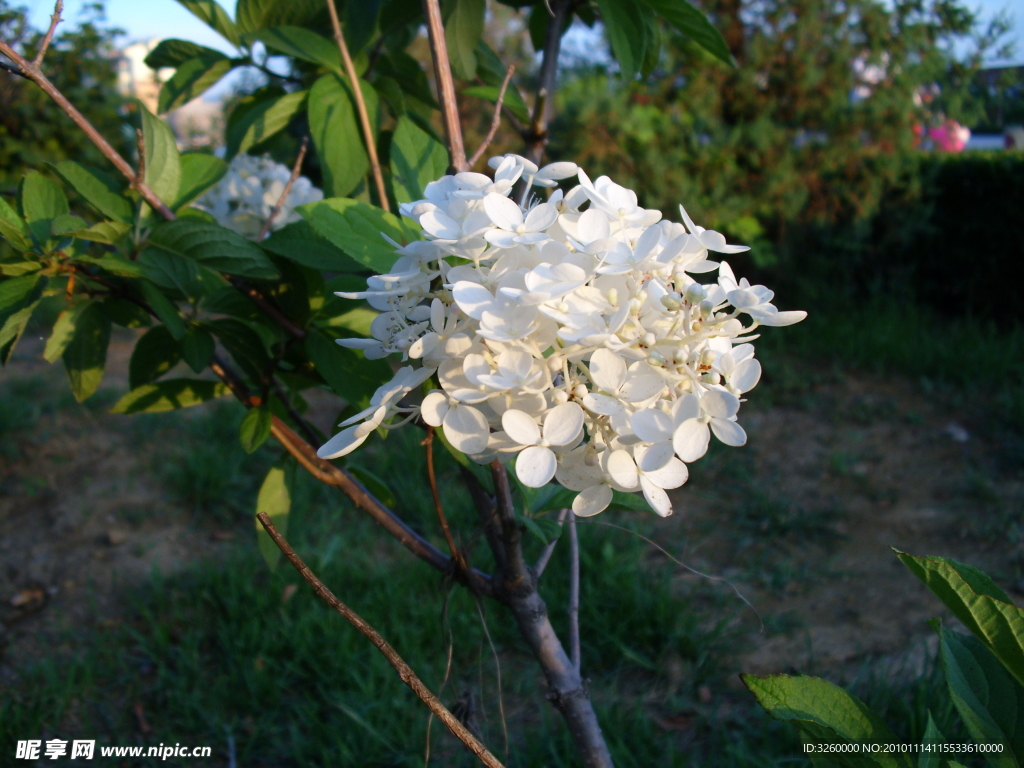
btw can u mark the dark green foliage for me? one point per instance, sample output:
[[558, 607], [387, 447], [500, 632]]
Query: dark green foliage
[[81, 64]]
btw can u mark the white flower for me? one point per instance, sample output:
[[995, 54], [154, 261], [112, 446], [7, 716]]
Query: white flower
[[578, 342], [243, 199]]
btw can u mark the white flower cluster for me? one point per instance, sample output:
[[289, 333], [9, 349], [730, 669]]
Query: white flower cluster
[[568, 334], [244, 198]]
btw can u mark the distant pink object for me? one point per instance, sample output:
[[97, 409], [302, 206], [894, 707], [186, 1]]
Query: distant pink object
[[950, 136]]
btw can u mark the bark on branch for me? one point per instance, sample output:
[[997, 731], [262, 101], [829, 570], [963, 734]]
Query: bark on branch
[[445, 86]]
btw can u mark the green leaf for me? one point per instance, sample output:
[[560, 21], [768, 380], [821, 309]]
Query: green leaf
[[174, 53], [125, 313], [13, 328], [301, 243], [350, 375], [356, 228], [513, 101], [254, 15], [407, 72], [85, 355], [163, 165], [929, 758], [255, 429], [197, 348], [20, 292], [66, 224], [192, 79], [336, 132], [416, 159], [12, 227], [357, 320], [377, 487], [164, 309], [108, 232], [975, 599], [540, 18], [826, 713], [64, 331], [19, 268], [989, 701], [169, 395], [359, 23], [155, 353], [258, 118], [541, 528], [213, 246], [97, 189], [492, 71], [42, 200], [212, 14], [627, 33], [172, 272], [199, 172], [302, 44], [694, 24], [244, 344], [275, 498], [462, 30]]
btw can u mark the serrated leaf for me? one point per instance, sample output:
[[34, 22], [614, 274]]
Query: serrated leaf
[[199, 172], [164, 309], [541, 528], [197, 348], [301, 43], [254, 15], [97, 189], [930, 758], [359, 23], [275, 498], [244, 344], [356, 227], [66, 224], [12, 328], [462, 30], [12, 227], [212, 14], [63, 331], [85, 355], [213, 246], [108, 232], [192, 79], [416, 159], [19, 268], [627, 33], [255, 429], [18, 292], [301, 243], [170, 395], [348, 374], [357, 320], [513, 101], [42, 200], [407, 72], [989, 701], [336, 132], [693, 23], [171, 272], [155, 353], [975, 599], [825, 712], [173, 53], [492, 71], [163, 163], [259, 118]]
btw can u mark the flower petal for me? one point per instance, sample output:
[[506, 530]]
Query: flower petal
[[672, 475], [656, 497], [592, 501], [729, 432], [503, 212], [622, 468], [434, 408], [745, 376], [691, 440], [563, 423], [540, 217], [535, 466], [520, 427], [466, 429], [608, 370], [342, 443], [652, 425], [719, 404]]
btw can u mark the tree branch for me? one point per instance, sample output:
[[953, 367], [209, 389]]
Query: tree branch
[[445, 86], [296, 172], [549, 548], [537, 138], [13, 70], [54, 21], [496, 120], [405, 672], [457, 555], [364, 117], [574, 594]]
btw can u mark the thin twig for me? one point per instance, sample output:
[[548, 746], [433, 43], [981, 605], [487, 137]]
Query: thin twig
[[364, 117], [538, 135], [457, 555], [54, 21], [496, 120], [445, 86], [549, 548], [296, 171], [574, 594], [447, 672], [302, 424], [497, 670], [405, 672], [268, 308], [13, 70]]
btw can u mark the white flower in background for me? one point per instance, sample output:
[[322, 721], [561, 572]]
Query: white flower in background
[[569, 335], [244, 198]]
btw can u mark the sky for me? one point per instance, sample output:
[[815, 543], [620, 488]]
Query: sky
[[145, 19]]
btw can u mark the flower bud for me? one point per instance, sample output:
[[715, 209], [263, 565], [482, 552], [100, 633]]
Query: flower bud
[[613, 297], [695, 294], [669, 303], [580, 391], [711, 377], [708, 357], [560, 397], [648, 340], [706, 308]]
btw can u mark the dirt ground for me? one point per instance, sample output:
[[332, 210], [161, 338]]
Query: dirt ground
[[833, 476]]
